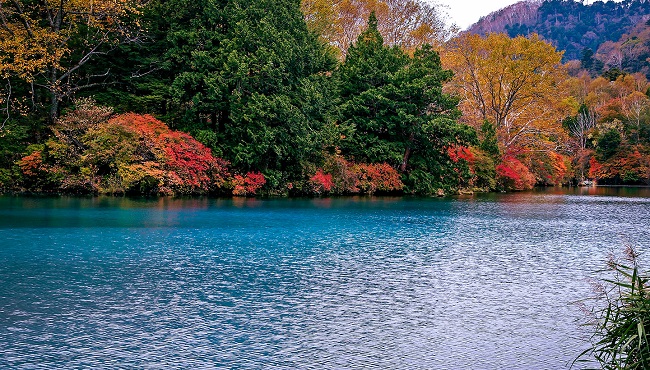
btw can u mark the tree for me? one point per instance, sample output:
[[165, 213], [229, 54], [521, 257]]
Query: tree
[[393, 109], [490, 143], [512, 82], [251, 77], [608, 144], [634, 105], [49, 44], [406, 23]]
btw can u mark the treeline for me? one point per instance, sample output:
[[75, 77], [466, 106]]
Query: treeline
[[246, 97]]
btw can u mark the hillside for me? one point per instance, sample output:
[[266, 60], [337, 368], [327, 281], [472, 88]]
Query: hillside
[[572, 26]]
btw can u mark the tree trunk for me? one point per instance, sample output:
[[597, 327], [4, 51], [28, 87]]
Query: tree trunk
[[54, 97], [407, 154]]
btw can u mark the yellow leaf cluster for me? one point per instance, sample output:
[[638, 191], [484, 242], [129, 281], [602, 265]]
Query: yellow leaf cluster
[[515, 83], [36, 35]]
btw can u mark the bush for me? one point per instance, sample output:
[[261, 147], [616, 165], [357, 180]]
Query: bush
[[344, 177], [247, 185], [129, 153]]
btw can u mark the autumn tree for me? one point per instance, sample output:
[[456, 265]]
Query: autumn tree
[[95, 151], [406, 23], [48, 44], [512, 82]]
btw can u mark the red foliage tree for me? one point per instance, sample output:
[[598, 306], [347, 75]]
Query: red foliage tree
[[92, 152]]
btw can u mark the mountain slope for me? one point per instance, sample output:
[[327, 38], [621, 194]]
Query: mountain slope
[[571, 26]]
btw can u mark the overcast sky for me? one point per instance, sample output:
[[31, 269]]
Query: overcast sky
[[466, 12]]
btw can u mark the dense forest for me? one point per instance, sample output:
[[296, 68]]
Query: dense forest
[[581, 29], [248, 97]]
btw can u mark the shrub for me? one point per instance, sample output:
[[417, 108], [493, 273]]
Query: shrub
[[484, 170], [248, 185], [321, 182], [344, 177], [94, 152]]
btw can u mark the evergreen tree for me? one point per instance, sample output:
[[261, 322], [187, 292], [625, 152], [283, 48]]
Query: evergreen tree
[[393, 110], [490, 142], [245, 77]]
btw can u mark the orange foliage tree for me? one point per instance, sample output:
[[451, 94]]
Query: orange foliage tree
[[49, 42]]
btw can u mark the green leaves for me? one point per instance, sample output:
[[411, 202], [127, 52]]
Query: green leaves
[[621, 338], [393, 110]]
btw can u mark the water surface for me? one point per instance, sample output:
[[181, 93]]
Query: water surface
[[486, 282]]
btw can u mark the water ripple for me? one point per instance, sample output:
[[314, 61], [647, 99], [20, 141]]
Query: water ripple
[[381, 283]]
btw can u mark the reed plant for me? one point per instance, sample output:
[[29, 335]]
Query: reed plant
[[622, 318]]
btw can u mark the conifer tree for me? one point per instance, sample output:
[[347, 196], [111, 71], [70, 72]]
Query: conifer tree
[[393, 110]]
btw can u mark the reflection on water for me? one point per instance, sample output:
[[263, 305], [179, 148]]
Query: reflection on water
[[485, 282]]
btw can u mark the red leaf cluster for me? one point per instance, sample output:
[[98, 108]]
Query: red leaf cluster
[[321, 182], [248, 185], [184, 164], [127, 153], [344, 177], [459, 152], [513, 175], [32, 165]]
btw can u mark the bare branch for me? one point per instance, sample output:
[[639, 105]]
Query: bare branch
[[8, 106]]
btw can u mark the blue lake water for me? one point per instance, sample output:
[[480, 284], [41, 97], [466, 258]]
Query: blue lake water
[[484, 282]]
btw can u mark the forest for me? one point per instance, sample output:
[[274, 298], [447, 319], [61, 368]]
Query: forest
[[282, 97]]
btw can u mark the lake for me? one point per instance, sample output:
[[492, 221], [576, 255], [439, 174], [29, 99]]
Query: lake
[[480, 282]]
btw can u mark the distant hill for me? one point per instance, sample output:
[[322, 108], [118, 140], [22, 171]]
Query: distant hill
[[601, 30]]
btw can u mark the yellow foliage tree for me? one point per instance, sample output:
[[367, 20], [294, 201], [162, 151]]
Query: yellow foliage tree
[[514, 83], [47, 42]]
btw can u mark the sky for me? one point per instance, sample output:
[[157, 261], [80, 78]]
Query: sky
[[464, 13]]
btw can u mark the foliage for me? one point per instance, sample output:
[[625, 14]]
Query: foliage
[[253, 82], [321, 182], [409, 24], [513, 83], [251, 72], [339, 176], [608, 144], [549, 168], [95, 152], [631, 167], [394, 110], [484, 170], [622, 322], [572, 26], [490, 142], [48, 45], [513, 175], [247, 185]]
